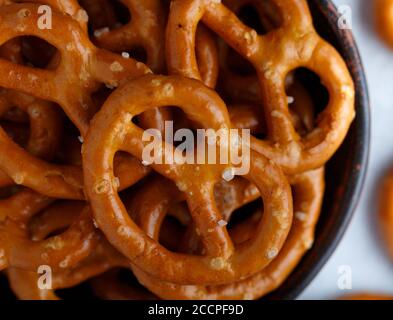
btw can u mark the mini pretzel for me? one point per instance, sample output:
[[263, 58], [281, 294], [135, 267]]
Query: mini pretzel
[[56, 180], [384, 20], [61, 251], [274, 55], [386, 212], [309, 189], [82, 67], [102, 258], [222, 261], [44, 134], [366, 296], [45, 123]]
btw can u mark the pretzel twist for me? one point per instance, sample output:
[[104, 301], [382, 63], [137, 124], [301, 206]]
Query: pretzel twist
[[309, 189], [82, 67], [59, 251], [222, 262], [274, 55]]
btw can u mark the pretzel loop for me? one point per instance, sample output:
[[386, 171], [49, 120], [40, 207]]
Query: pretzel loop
[[295, 44], [109, 128]]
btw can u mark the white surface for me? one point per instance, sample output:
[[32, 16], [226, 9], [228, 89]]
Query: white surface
[[361, 248]]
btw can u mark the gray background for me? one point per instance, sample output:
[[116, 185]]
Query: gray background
[[361, 248]]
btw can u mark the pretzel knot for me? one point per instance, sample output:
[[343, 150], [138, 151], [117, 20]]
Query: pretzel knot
[[99, 257], [294, 44], [59, 252], [309, 189], [82, 68], [112, 130]]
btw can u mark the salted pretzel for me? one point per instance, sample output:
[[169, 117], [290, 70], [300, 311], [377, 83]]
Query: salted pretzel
[[222, 261], [78, 194], [274, 55], [82, 67], [101, 265], [101, 13], [45, 130], [59, 252], [25, 283], [57, 180], [384, 20], [309, 190], [45, 123]]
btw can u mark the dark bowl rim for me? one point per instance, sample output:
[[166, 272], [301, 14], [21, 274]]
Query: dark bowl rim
[[361, 150]]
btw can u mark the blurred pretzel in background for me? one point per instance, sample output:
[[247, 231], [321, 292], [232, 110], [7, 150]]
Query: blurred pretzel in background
[[384, 20], [76, 194]]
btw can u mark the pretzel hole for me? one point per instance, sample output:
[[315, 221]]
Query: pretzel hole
[[307, 98], [239, 65], [244, 213], [138, 53], [15, 115], [69, 149], [101, 95], [171, 233], [110, 17], [263, 20], [31, 51], [17, 132]]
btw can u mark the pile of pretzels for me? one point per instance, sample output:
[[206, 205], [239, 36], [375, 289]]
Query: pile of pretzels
[[80, 83]]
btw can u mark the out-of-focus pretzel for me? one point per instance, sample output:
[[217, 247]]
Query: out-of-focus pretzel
[[238, 86], [109, 287], [59, 251], [44, 137], [384, 20], [45, 123], [294, 44], [100, 259], [222, 261], [56, 180], [309, 189], [386, 212]]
